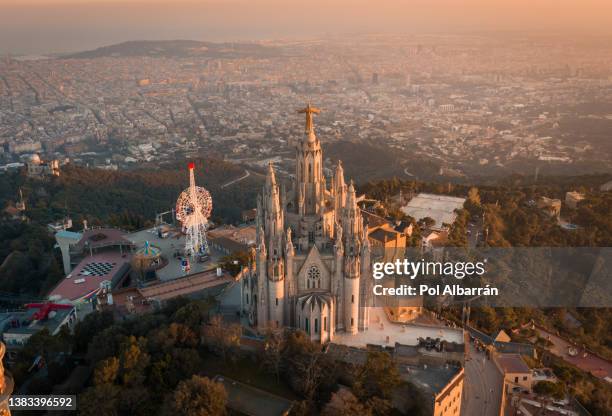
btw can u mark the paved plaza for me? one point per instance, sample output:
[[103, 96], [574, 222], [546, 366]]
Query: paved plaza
[[172, 244], [383, 332]]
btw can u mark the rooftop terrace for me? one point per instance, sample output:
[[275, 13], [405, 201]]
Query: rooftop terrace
[[86, 278]]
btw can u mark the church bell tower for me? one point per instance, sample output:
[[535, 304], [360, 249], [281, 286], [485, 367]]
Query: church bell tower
[[309, 170]]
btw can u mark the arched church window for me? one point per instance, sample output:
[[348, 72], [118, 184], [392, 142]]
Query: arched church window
[[314, 277], [309, 172]]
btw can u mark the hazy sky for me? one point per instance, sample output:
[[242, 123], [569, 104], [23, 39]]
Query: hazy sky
[[39, 26]]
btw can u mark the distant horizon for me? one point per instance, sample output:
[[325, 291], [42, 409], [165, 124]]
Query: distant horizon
[[322, 36], [30, 27]]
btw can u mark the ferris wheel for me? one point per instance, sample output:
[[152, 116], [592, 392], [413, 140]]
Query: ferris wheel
[[193, 209]]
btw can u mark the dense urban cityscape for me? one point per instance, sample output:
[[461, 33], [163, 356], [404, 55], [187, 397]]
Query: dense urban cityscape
[[468, 105]]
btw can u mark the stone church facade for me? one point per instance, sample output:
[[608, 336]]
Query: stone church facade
[[312, 258]]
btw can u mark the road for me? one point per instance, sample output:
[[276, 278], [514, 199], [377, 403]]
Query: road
[[243, 177], [482, 387], [591, 363]]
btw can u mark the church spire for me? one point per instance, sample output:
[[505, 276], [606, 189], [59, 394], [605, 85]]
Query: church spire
[[310, 182], [351, 201], [272, 191], [339, 175], [270, 176], [352, 221], [339, 188], [273, 218]]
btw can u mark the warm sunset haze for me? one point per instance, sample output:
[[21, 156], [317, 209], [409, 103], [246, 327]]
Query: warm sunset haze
[[313, 207], [36, 26]]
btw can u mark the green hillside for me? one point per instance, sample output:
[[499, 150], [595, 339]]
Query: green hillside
[[129, 199]]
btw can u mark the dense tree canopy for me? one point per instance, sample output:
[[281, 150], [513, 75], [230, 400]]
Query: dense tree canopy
[[198, 396]]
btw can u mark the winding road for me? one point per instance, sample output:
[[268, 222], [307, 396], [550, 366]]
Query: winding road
[[243, 177]]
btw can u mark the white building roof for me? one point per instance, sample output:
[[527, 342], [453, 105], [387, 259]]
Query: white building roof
[[439, 207]]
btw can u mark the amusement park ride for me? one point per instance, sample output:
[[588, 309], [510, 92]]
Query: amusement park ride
[[193, 209]]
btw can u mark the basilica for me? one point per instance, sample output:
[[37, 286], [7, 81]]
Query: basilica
[[312, 259]]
